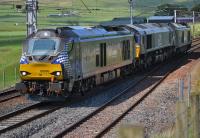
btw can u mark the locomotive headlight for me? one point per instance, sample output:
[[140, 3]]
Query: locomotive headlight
[[58, 73], [24, 73]]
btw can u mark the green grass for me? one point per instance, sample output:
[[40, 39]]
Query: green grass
[[195, 29], [10, 51], [169, 133], [195, 74], [13, 23]]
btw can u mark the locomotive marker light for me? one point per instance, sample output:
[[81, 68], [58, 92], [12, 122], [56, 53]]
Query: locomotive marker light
[[137, 51]]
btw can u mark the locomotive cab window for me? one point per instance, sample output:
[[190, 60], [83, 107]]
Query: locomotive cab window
[[149, 41], [182, 37], [143, 40], [126, 50], [97, 61], [38, 47], [189, 35], [103, 54]]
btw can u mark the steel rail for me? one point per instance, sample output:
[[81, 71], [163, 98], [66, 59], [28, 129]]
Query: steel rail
[[196, 39], [22, 116], [8, 95]]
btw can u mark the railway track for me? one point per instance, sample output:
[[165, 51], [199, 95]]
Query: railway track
[[196, 39], [27, 114], [8, 95], [86, 122], [196, 42]]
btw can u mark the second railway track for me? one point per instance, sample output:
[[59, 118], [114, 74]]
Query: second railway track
[[27, 114], [8, 95]]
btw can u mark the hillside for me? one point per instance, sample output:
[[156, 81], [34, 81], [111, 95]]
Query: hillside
[[98, 10], [105, 4]]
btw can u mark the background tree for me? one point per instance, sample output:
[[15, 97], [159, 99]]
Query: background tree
[[196, 8], [168, 9]]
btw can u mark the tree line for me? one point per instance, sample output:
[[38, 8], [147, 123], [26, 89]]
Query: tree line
[[168, 9]]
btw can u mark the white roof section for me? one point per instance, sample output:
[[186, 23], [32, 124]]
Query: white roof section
[[180, 27], [150, 28], [161, 18], [88, 32]]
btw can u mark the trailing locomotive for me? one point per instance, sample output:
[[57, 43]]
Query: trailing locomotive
[[159, 41], [59, 62]]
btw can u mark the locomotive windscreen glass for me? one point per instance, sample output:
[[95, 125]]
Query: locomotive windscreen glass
[[43, 46]]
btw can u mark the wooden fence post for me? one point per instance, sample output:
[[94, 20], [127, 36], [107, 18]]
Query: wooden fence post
[[131, 131], [195, 115], [181, 119], [4, 79]]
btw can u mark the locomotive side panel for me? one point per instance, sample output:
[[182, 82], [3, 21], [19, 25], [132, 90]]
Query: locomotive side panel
[[105, 55], [158, 41]]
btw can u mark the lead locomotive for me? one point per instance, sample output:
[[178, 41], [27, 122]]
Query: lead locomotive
[[56, 63]]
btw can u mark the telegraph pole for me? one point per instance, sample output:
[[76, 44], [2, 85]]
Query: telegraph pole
[[175, 16], [131, 3], [31, 15]]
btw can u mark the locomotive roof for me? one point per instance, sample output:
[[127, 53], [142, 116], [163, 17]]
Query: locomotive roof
[[180, 26], [90, 32], [123, 21], [161, 19], [150, 28]]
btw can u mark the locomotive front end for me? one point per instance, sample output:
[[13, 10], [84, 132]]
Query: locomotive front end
[[41, 68]]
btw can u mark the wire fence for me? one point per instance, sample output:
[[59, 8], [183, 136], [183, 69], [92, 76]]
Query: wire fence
[[8, 77], [187, 111]]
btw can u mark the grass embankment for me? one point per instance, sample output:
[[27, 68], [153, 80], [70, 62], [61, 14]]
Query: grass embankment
[[10, 51], [195, 29], [196, 79]]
